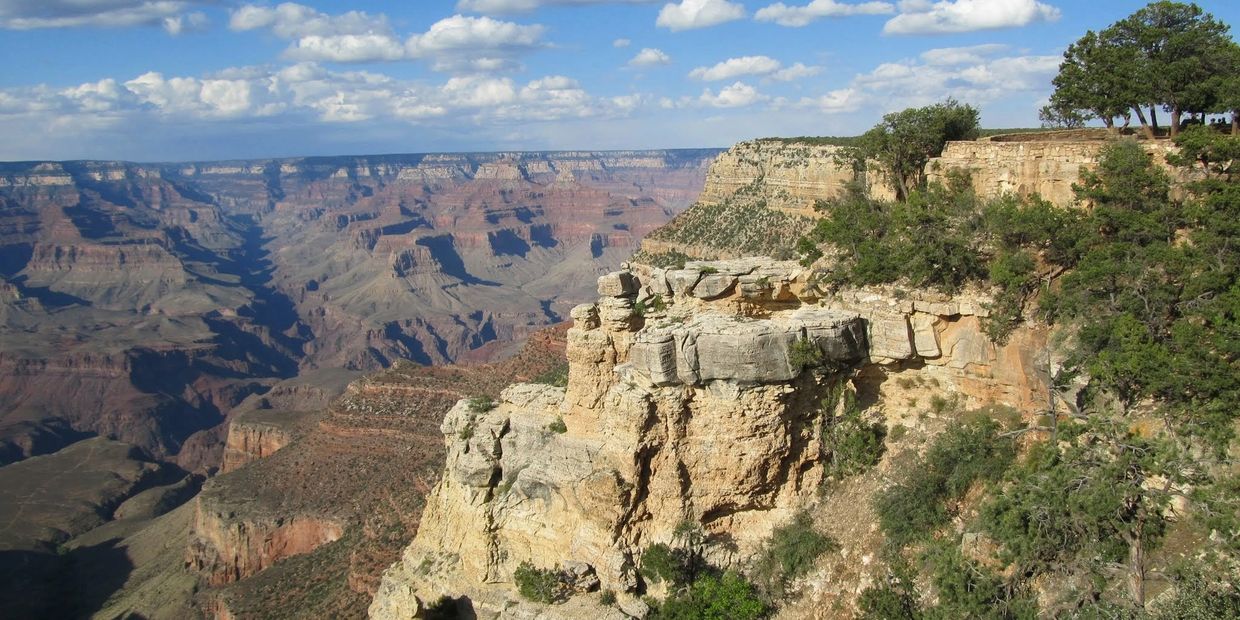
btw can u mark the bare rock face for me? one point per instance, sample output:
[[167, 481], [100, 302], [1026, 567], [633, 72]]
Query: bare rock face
[[791, 175], [679, 407], [1024, 165]]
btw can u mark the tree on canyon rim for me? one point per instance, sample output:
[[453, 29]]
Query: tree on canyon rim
[[1167, 54]]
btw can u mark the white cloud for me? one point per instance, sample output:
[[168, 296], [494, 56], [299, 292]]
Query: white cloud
[[950, 16], [32, 14], [835, 102], [962, 55], [474, 43], [291, 21], [618, 43], [650, 57], [525, 6], [764, 66], [739, 94], [295, 91], [795, 72], [904, 84], [456, 43], [190, 22], [798, 16], [736, 67], [346, 48], [690, 14]]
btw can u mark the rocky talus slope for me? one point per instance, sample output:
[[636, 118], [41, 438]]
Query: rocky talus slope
[[687, 400]]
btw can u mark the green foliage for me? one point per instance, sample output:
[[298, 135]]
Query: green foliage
[[662, 563], [481, 404], [671, 259], [922, 501], [558, 426], [1166, 54], [894, 598], [541, 585], [608, 598], [790, 553], [724, 597], [1203, 591], [1085, 507], [804, 353], [741, 224], [968, 590], [905, 141], [929, 240], [557, 376], [856, 445]]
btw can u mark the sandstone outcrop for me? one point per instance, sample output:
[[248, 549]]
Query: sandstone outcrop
[[790, 175], [693, 395], [1029, 166]]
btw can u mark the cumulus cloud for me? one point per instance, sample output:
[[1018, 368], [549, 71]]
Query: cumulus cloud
[[951, 16], [302, 89], [763, 66], [621, 43], [650, 57], [455, 43], [736, 67], [290, 21], [834, 102], [798, 16], [690, 14], [910, 83], [32, 14], [795, 72], [962, 55], [739, 94], [525, 6]]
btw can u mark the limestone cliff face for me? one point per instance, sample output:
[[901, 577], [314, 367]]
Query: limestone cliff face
[[224, 549], [686, 401], [790, 175], [1025, 167]]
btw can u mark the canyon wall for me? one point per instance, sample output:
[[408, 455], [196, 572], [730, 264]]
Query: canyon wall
[[790, 175], [688, 400], [147, 301], [1026, 167]]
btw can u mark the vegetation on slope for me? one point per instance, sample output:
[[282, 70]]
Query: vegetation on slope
[[739, 226]]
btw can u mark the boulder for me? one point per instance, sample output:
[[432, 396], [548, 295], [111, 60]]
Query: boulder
[[617, 284], [714, 285]]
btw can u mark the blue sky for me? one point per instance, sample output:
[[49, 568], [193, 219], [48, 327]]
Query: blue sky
[[154, 80]]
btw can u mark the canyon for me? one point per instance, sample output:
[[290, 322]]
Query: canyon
[[151, 304], [344, 489]]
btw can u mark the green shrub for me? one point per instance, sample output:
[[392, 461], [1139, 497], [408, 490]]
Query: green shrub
[[856, 445], [804, 353], [661, 563], [725, 597], [897, 432], [965, 453], [481, 404], [557, 376], [790, 553], [541, 585], [558, 426], [608, 597]]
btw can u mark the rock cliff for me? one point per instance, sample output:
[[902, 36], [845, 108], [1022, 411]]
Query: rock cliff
[[693, 395], [1025, 165]]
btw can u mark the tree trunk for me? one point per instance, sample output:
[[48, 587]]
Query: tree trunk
[[1175, 121], [1235, 122], [1154, 120], [1136, 562], [1145, 125]]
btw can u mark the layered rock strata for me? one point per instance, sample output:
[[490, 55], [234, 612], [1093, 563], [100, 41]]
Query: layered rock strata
[[790, 175], [693, 396], [1026, 167]]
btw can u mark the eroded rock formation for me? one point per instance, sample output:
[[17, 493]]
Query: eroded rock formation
[[693, 395]]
